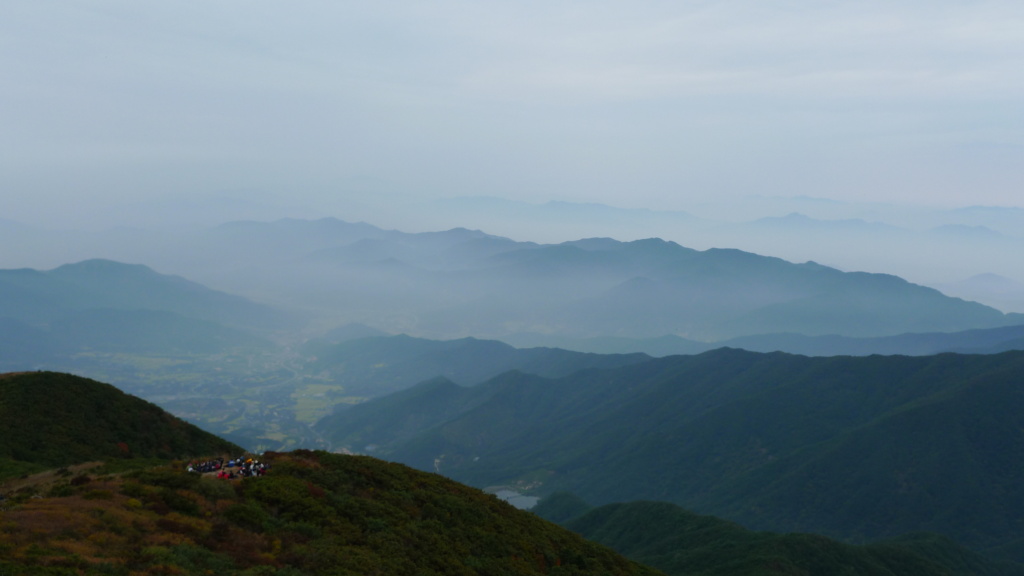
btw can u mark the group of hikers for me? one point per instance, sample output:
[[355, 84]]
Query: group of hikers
[[238, 468]]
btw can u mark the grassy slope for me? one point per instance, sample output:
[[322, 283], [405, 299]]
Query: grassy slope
[[313, 513]]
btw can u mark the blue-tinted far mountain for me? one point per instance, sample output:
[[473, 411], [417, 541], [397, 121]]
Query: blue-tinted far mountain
[[461, 282], [652, 288], [801, 223], [1003, 292], [926, 245], [111, 307], [109, 284], [353, 331], [39, 296]]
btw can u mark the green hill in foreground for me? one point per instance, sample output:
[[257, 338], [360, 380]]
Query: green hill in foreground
[[48, 420], [312, 513], [680, 542]]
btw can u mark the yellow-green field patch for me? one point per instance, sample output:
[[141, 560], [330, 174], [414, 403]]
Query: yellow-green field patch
[[314, 401]]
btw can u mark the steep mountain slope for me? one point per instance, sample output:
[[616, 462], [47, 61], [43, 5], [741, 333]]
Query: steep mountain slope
[[669, 538], [49, 419], [312, 513], [393, 419], [848, 447]]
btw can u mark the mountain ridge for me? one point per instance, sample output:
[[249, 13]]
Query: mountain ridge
[[463, 282], [747, 436], [679, 542]]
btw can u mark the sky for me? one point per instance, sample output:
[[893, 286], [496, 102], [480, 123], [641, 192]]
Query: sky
[[117, 111]]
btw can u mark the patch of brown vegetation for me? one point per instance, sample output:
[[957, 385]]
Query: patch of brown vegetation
[[42, 481], [91, 531], [13, 374]]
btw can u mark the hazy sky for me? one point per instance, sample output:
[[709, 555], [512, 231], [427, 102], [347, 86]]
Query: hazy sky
[[109, 108]]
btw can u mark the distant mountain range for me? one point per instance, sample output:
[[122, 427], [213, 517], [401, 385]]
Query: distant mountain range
[[40, 296], [999, 291], [377, 366], [855, 448], [100, 305], [374, 366], [461, 282], [926, 245]]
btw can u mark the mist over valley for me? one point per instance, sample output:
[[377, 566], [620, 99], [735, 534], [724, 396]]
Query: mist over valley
[[725, 289]]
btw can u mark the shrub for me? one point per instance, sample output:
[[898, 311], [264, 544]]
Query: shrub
[[61, 491], [179, 502], [133, 489], [98, 495], [249, 516], [214, 490]]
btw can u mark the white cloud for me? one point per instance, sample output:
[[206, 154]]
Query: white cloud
[[570, 100]]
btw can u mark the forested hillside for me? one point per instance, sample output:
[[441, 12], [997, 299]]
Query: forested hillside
[[682, 543], [856, 448], [49, 420], [377, 366]]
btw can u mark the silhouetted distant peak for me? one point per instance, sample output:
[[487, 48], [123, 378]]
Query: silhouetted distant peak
[[352, 331], [989, 209], [103, 266], [594, 243], [736, 255], [965, 231], [989, 282], [991, 278], [324, 226], [103, 274], [656, 242], [798, 221]]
